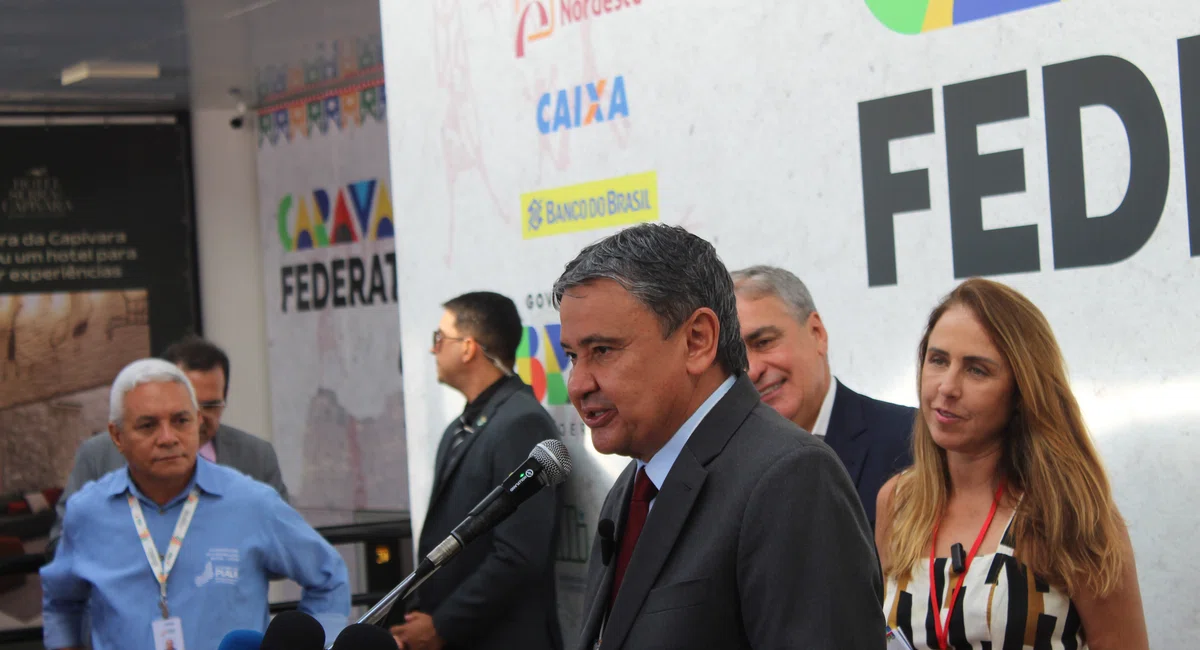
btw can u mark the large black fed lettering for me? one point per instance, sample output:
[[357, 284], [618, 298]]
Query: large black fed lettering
[[341, 283]]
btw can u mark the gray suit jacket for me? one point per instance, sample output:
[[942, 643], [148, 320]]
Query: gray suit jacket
[[756, 540], [98, 456]]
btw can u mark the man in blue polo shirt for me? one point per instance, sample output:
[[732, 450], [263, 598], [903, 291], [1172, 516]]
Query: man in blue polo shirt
[[175, 548]]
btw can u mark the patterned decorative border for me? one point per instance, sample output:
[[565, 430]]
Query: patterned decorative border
[[342, 108], [333, 63]]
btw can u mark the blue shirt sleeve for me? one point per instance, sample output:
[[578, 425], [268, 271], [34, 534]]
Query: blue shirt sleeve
[[64, 593], [298, 552]]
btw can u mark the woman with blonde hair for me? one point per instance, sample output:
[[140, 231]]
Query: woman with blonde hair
[[1004, 530]]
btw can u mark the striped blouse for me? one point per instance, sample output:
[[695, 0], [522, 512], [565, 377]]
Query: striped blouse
[[1001, 606]]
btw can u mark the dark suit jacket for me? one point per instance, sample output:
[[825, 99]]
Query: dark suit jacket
[[235, 448], [872, 438], [499, 593], [755, 540]]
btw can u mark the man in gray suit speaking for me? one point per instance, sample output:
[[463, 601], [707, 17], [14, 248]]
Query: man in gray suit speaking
[[207, 367], [732, 528]]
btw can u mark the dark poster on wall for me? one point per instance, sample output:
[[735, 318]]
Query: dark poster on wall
[[96, 270]]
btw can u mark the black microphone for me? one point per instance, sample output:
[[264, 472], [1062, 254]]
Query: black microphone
[[360, 636], [548, 464], [958, 558], [294, 630], [606, 530]]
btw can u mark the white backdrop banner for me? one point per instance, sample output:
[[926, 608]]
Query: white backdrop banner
[[331, 294], [881, 149]]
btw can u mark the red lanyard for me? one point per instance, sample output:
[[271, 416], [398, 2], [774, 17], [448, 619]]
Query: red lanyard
[[943, 631]]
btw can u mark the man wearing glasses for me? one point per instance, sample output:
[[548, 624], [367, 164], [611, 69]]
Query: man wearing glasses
[[469, 603], [207, 367]]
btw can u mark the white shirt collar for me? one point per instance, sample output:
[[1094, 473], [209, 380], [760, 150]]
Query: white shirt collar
[[821, 426], [662, 461]]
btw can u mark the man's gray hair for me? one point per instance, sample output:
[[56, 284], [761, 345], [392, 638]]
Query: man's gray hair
[[144, 371], [761, 281], [670, 271]]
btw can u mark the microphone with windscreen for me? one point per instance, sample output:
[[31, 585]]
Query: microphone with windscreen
[[360, 636], [294, 630], [242, 640], [548, 464]]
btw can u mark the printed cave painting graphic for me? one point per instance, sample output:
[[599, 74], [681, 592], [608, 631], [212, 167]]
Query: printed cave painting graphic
[[917, 16], [59, 343], [59, 353]]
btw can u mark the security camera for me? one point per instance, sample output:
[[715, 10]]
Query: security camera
[[239, 117]]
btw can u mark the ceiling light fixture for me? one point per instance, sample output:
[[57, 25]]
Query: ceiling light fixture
[[108, 70]]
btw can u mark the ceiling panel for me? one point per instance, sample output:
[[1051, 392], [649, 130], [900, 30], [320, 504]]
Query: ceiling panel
[[38, 38]]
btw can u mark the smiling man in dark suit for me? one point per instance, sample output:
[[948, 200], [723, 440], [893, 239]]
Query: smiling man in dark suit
[[499, 592], [788, 349], [732, 527]]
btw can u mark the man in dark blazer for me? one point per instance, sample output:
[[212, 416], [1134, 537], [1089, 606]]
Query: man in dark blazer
[[207, 368], [789, 364], [499, 592], [732, 528]]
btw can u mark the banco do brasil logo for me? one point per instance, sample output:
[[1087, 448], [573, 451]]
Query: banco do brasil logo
[[916, 16], [587, 206]]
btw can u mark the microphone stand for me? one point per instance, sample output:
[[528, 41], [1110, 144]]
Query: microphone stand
[[400, 592], [494, 508], [428, 566]]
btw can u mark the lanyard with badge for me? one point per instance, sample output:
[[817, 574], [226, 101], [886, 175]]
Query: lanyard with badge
[[168, 632], [943, 631]]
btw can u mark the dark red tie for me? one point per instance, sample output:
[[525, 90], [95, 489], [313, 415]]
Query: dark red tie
[[639, 507]]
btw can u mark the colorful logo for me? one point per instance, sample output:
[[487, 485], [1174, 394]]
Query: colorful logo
[[543, 23], [916, 16], [536, 18], [359, 211], [590, 103], [540, 363], [587, 206]]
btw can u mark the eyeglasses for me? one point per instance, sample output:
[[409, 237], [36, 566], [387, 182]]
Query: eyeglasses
[[439, 336], [213, 406]]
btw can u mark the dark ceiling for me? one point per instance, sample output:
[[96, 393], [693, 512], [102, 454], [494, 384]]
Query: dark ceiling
[[38, 38]]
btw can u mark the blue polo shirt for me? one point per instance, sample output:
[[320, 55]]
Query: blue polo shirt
[[242, 535]]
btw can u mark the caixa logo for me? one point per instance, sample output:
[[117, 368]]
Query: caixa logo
[[585, 104], [917, 16], [540, 363]]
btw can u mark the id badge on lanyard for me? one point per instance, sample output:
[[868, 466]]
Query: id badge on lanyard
[[168, 631], [897, 641]]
